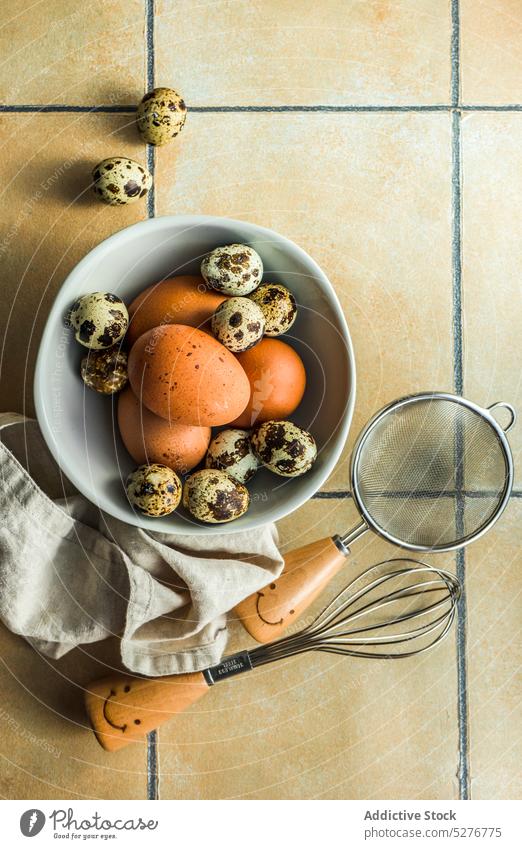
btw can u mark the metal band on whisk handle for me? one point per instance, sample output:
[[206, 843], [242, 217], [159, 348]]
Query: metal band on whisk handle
[[392, 610]]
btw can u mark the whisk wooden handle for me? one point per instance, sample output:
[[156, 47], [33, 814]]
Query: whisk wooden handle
[[267, 613], [123, 709]]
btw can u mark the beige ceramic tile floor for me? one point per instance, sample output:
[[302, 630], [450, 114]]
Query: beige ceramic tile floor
[[423, 255]]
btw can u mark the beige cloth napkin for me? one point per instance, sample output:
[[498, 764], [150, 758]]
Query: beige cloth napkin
[[70, 574]]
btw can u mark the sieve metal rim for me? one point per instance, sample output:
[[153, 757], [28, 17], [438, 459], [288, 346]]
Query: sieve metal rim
[[429, 396]]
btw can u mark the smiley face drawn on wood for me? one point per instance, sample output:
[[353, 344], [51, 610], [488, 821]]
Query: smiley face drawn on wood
[[273, 603], [107, 711]]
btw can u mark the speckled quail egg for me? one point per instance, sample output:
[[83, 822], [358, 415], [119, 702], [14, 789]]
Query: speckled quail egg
[[231, 452], [278, 307], [238, 324], [99, 320], [233, 269], [105, 371], [161, 115], [119, 180], [211, 495], [284, 448], [154, 490]]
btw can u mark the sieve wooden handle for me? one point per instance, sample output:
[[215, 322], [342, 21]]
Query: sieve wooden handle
[[267, 613], [123, 709]]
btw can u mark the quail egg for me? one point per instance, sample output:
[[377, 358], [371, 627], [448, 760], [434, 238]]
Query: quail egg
[[233, 269], [238, 324], [105, 371], [284, 448], [278, 307], [161, 115], [119, 180], [154, 490], [231, 452], [212, 496], [99, 320]]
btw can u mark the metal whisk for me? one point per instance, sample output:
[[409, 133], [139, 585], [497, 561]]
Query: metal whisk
[[411, 604], [395, 609]]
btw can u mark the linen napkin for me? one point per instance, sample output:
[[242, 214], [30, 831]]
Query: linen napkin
[[71, 574]]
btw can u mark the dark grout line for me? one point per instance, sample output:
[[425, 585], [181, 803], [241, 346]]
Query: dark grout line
[[58, 107], [513, 107], [149, 14], [340, 493], [462, 681], [130, 109], [455, 53], [151, 157], [152, 766], [456, 247], [458, 492], [458, 379], [322, 108], [152, 738], [151, 197]]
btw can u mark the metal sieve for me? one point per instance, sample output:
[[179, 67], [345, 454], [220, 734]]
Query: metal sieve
[[431, 471]]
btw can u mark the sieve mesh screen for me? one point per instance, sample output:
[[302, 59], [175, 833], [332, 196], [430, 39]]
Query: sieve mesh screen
[[431, 472]]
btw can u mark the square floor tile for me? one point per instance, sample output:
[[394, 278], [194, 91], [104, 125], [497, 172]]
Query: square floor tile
[[73, 53], [491, 51], [293, 52], [319, 725], [51, 219], [494, 648], [369, 197], [492, 257], [48, 750]]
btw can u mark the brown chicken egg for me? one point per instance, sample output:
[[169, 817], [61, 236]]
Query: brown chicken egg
[[150, 439], [187, 376], [277, 382], [186, 299]]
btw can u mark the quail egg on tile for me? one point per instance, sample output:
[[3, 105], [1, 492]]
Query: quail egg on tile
[[99, 320], [105, 371], [119, 180], [231, 452], [278, 307], [154, 490], [284, 448], [233, 269], [211, 495], [238, 324], [161, 115]]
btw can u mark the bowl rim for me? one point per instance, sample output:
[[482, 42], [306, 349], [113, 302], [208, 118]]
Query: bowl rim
[[189, 221]]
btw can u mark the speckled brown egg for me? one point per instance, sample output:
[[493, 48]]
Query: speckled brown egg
[[278, 307], [161, 116], [119, 180], [238, 324], [187, 376], [284, 448], [233, 269], [231, 452], [105, 371], [99, 320], [213, 496], [185, 299], [150, 439], [154, 490]]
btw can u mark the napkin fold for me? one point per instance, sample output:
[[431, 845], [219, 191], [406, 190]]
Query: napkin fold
[[72, 574]]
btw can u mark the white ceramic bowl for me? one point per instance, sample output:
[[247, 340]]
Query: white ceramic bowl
[[79, 425]]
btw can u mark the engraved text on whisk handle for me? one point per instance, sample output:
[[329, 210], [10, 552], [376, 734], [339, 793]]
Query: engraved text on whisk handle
[[233, 665]]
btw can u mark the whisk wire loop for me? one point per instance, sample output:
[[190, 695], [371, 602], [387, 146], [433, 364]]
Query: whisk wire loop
[[345, 627]]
